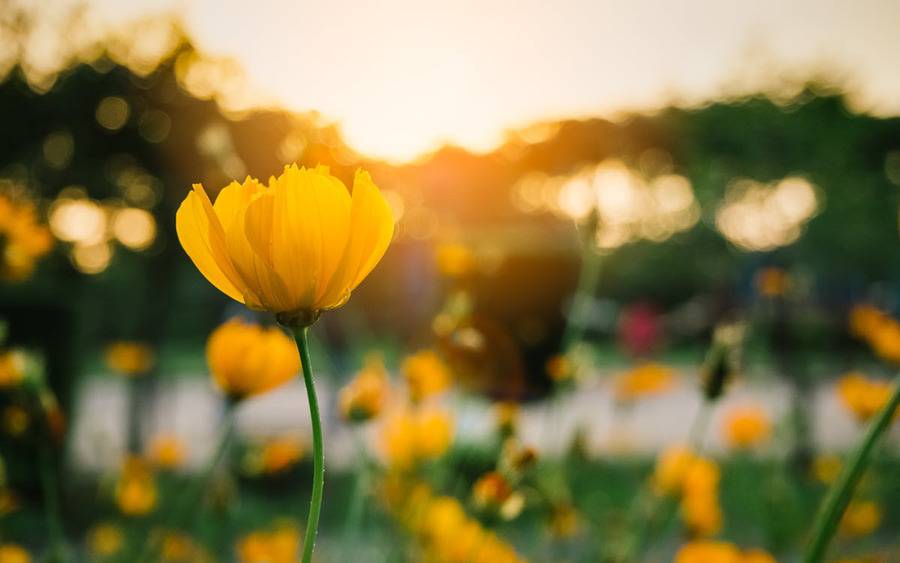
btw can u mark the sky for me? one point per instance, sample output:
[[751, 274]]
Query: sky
[[402, 77]]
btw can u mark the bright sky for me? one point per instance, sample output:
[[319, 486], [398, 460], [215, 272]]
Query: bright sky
[[403, 76]]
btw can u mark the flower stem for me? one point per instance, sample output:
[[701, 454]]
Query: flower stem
[[315, 503], [840, 493]]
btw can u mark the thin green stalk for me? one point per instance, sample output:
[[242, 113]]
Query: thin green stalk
[[315, 503], [840, 493], [588, 277], [190, 500]]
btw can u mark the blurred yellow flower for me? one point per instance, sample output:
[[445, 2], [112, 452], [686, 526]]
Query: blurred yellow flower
[[12, 553], [772, 282], [707, 551], [560, 368], [454, 260], [826, 468], [281, 544], [295, 247], [747, 426], [177, 547], [862, 396], [642, 381], [671, 466], [129, 358], [878, 329], [865, 320], [23, 241], [861, 518], [410, 437], [425, 374], [167, 451], [701, 513], [279, 454], [364, 397], [12, 368], [757, 556], [136, 493], [246, 359], [105, 540]]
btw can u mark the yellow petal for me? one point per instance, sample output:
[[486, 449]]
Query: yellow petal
[[301, 231], [231, 208], [371, 229], [192, 226]]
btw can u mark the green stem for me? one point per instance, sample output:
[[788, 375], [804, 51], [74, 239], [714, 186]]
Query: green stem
[[840, 493], [588, 277], [315, 503]]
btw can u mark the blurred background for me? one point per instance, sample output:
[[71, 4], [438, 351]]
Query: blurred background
[[599, 206]]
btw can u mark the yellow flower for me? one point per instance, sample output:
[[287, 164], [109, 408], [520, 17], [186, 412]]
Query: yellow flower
[[167, 450], [136, 492], [364, 397], [865, 320], [129, 358], [177, 547], [410, 437], [826, 468], [22, 240], [12, 553], [454, 260], [862, 396], [861, 518], [642, 381], [706, 551], [278, 545], [772, 282], [12, 368], [747, 426], [105, 540], [560, 368], [757, 556], [280, 454], [425, 374], [295, 247], [672, 465], [701, 513], [246, 359]]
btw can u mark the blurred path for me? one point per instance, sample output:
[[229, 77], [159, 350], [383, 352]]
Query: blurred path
[[191, 409]]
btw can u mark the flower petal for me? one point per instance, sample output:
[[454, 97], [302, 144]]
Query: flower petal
[[192, 226]]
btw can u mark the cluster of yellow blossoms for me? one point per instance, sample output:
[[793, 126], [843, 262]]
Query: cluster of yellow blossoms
[[642, 381], [425, 374], [707, 551], [23, 241], [747, 426], [410, 437], [445, 532], [695, 479], [879, 330]]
